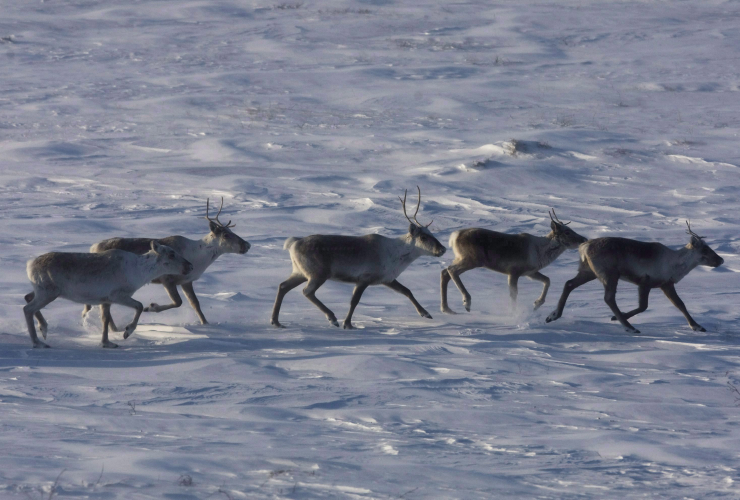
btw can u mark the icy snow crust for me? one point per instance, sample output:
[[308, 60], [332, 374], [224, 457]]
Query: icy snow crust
[[119, 118]]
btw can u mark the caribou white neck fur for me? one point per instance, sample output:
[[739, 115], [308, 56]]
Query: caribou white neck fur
[[548, 249], [678, 263]]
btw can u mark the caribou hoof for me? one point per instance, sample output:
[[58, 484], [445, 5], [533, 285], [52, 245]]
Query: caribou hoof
[[334, 322], [128, 331], [552, 317], [151, 308], [108, 345], [38, 343], [696, 328], [348, 326], [425, 314], [633, 330], [276, 324], [537, 304], [447, 310]]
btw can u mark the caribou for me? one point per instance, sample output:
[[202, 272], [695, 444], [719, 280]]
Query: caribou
[[516, 255], [647, 265], [105, 278], [363, 260], [202, 253]]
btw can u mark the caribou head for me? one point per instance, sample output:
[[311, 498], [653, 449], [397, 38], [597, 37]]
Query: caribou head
[[708, 257], [421, 236], [222, 234], [563, 234]]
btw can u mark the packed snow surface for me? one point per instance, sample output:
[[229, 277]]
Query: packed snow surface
[[120, 117]]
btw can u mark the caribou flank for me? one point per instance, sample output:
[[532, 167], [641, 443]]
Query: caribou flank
[[513, 254], [202, 253], [106, 278], [647, 265], [363, 260]]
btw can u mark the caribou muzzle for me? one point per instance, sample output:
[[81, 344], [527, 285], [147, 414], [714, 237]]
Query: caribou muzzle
[[244, 248]]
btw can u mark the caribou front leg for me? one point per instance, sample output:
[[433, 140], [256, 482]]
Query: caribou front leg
[[546, 282], [356, 294], [171, 289], [187, 289], [670, 291], [398, 287], [134, 304]]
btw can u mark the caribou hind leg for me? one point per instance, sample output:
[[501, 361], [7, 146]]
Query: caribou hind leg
[[513, 290], [43, 325], [310, 293], [454, 272], [38, 302], [610, 297], [293, 281], [105, 318]]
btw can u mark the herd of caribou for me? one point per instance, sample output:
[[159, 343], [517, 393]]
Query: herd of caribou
[[116, 268]]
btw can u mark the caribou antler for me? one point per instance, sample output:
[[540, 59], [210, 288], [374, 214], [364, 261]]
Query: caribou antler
[[692, 233], [418, 204], [228, 224], [557, 219]]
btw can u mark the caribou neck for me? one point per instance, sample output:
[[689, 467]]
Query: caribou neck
[[685, 260], [148, 269], [548, 249]]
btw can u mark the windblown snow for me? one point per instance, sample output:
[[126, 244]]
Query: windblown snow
[[120, 118]]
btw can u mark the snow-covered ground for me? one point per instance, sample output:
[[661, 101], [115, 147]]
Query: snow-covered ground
[[121, 117]]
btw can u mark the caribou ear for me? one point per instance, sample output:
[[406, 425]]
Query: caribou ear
[[214, 227], [696, 242]]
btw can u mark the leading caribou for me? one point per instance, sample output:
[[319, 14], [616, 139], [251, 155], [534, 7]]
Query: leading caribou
[[363, 260], [647, 265], [513, 254], [202, 253], [106, 278]]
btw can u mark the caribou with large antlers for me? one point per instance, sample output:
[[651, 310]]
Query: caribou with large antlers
[[647, 265], [363, 260], [202, 253], [105, 278], [513, 254]]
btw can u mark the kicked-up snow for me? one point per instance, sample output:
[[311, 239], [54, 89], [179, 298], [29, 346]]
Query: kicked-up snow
[[120, 118]]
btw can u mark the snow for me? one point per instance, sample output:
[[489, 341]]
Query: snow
[[120, 118]]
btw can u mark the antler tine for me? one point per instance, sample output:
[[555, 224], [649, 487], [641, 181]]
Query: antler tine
[[418, 204], [558, 219], [549, 212], [692, 233], [219, 210], [403, 204]]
